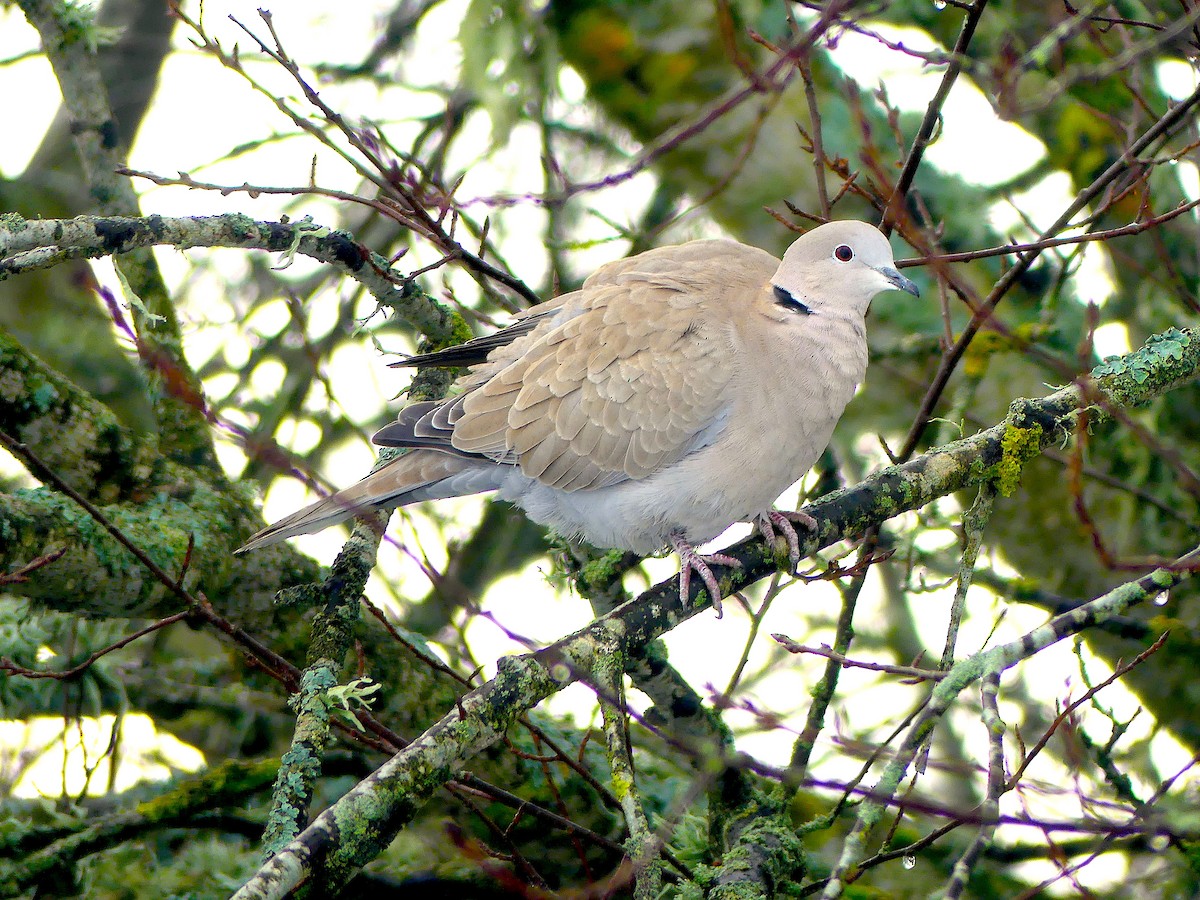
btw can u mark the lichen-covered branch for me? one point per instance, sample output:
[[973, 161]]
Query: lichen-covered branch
[[762, 852], [67, 32], [184, 531], [336, 599], [85, 445], [70, 431], [175, 513], [356, 828], [642, 845], [989, 810], [29, 244], [974, 522], [41, 852]]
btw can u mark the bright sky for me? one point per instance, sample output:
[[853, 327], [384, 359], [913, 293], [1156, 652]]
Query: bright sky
[[202, 111]]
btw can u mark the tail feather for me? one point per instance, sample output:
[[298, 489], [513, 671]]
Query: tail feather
[[312, 518], [396, 484]]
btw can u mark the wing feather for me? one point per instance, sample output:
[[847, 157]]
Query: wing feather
[[610, 383]]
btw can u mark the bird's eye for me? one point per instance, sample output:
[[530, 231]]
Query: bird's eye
[[843, 253]]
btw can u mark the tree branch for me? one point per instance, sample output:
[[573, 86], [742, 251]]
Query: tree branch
[[67, 34], [30, 244]]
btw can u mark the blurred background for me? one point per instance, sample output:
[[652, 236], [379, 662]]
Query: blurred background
[[558, 136]]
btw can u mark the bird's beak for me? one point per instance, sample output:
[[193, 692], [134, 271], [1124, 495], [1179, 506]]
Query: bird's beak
[[899, 281]]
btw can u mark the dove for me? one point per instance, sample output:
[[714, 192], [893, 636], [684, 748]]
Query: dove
[[675, 393]]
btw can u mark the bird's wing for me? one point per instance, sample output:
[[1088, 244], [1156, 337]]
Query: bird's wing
[[626, 377], [475, 351]]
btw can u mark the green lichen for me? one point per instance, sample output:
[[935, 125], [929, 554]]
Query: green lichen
[[977, 468], [606, 662], [43, 396], [241, 226], [1170, 344], [306, 227], [460, 331], [1018, 446], [235, 778], [622, 784], [301, 595], [766, 854], [1163, 578], [600, 572], [1127, 378], [78, 23], [343, 700], [11, 221]]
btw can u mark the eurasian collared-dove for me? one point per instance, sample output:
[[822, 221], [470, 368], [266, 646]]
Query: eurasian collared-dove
[[677, 392]]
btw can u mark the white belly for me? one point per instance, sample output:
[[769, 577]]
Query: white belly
[[698, 497]]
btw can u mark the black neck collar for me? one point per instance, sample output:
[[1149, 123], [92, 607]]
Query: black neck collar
[[788, 300]]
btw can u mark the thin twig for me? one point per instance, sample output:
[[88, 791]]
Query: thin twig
[[933, 113]]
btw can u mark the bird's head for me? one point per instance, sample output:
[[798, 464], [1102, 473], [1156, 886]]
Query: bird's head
[[838, 267]]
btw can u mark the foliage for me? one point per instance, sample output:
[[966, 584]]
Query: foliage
[[452, 161]]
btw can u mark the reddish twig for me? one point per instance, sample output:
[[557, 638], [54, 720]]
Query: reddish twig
[[12, 668], [933, 113], [1165, 125], [21, 575], [908, 672], [1069, 710], [1048, 243]]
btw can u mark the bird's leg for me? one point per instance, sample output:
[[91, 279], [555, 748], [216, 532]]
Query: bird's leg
[[770, 520], [690, 561]]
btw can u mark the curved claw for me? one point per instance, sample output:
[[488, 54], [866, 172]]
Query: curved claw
[[690, 561], [770, 520]]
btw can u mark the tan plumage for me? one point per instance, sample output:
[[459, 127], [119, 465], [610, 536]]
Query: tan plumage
[[678, 391]]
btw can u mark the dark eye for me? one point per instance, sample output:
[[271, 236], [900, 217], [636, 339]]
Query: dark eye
[[843, 253]]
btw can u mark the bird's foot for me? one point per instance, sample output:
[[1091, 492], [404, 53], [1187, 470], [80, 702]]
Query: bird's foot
[[773, 518], [690, 561]]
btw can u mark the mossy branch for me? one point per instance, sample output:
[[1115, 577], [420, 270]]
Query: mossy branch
[[30, 244], [43, 851], [69, 39]]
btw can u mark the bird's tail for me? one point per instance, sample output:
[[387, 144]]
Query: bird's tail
[[396, 484]]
